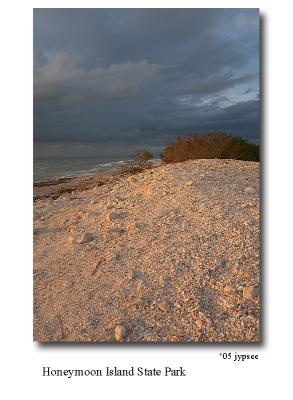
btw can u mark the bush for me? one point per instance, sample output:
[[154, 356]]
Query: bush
[[142, 156], [210, 145]]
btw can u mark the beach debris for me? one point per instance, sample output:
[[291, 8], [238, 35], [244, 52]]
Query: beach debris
[[64, 332], [120, 332], [97, 266]]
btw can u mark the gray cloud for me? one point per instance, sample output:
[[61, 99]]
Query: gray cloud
[[63, 80], [213, 83], [119, 78]]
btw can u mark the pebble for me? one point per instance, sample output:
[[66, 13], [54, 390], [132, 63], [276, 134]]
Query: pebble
[[130, 275], [249, 190], [115, 215], [199, 323], [94, 323], [222, 262], [250, 292], [85, 238], [132, 227], [189, 183], [120, 332], [164, 306], [228, 289]]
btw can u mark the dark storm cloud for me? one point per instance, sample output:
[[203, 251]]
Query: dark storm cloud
[[213, 83], [142, 76]]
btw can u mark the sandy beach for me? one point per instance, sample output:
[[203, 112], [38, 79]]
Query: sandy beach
[[170, 254]]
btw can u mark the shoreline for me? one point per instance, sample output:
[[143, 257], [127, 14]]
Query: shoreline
[[53, 188], [108, 167]]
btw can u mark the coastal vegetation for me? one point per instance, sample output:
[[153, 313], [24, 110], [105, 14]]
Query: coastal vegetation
[[142, 156], [215, 144]]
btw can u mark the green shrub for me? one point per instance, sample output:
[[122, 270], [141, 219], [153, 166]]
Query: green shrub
[[210, 145]]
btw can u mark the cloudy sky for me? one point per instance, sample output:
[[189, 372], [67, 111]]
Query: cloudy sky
[[107, 81]]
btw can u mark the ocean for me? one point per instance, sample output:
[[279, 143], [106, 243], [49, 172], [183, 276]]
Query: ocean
[[50, 168]]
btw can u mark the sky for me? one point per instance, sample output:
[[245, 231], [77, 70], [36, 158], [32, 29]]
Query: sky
[[109, 81]]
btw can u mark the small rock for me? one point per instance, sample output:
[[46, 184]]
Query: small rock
[[139, 285], [111, 256], [120, 332], [250, 292], [249, 335], [164, 306], [130, 275], [119, 198], [116, 232], [94, 323], [189, 183], [227, 289], [145, 301], [85, 238], [161, 280], [222, 262], [132, 227], [90, 214], [224, 316], [115, 216], [249, 190], [199, 323]]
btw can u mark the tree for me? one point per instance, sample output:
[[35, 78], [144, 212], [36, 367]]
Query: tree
[[142, 156]]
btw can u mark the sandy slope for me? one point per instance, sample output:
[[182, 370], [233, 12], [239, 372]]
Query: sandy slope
[[172, 254]]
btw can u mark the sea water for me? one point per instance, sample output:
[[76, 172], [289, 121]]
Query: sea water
[[51, 168]]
